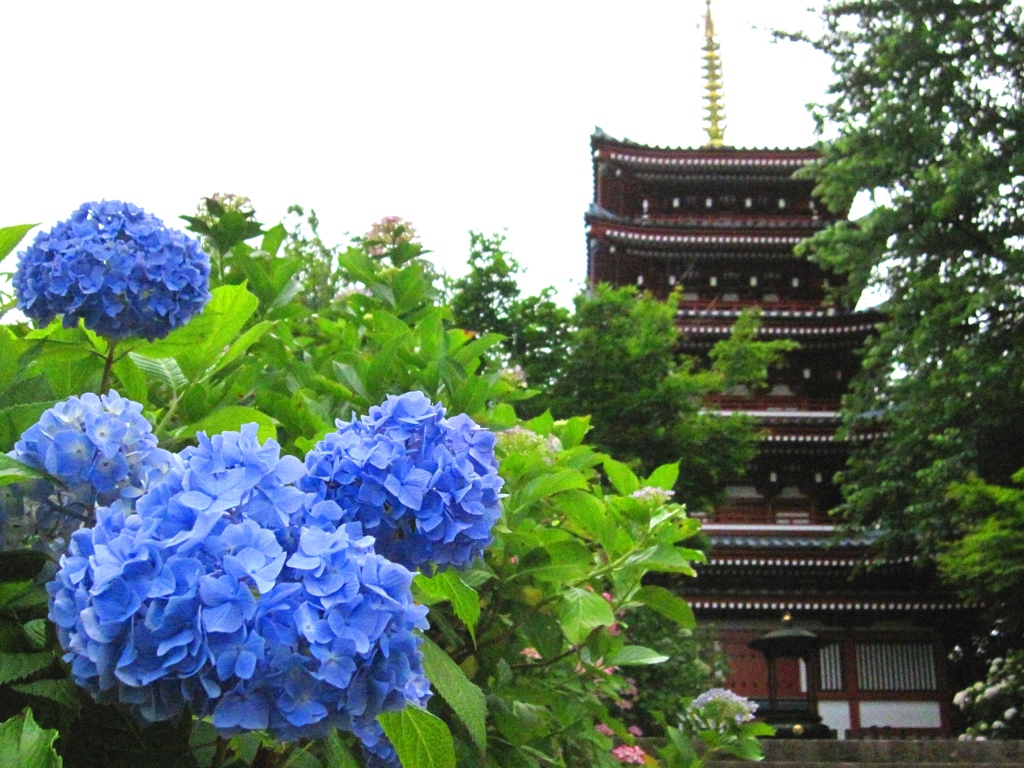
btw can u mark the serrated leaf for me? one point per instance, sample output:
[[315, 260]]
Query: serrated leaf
[[164, 370], [502, 417], [11, 236], [25, 745], [664, 477], [666, 558], [62, 692], [232, 417], [35, 633], [668, 605], [574, 431], [636, 655], [581, 612], [12, 590], [421, 740], [466, 699], [621, 477], [199, 343], [549, 485], [542, 424], [18, 666], [350, 378], [15, 419], [561, 562], [448, 585], [337, 753], [242, 344], [131, 380]]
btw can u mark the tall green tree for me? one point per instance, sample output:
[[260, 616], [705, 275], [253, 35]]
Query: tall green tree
[[647, 401], [927, 108], [488, 299]]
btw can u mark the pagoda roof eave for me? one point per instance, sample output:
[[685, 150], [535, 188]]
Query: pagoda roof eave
[[599, 138]]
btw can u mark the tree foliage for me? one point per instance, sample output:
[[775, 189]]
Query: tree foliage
[[927, 105], [488, 300], [648, 402]]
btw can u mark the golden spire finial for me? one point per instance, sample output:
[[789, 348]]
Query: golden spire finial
[[714, 104]]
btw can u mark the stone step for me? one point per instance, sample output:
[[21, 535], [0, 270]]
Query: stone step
[[882, 752]]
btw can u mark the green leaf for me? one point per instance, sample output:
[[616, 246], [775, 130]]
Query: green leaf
[[564, 561], [23, 744], [542, 424], [548, 485], [421, 740], [11, 591], [11, 236], [131, 379], [35, 633], [668, 605], [63, 692], [636, 655], [448, 585], [242, 344], [337, 753], [574, 431], [581, 612], [587, 516], [273, 238], [17, 666], [164, 370], [756, 728], [348, 376], [13, 471], [667, 558], [664, 477], [199, 343], [15, 419], [232, 417], [679, 752], [621, 477], [503, 417], [744, 749], [466, 699]]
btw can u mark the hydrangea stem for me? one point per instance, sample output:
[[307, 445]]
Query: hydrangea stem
[[108, 366]]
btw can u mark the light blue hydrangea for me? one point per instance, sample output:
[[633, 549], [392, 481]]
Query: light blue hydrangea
[[100, 449], [425, 487], [719, 710], [218, 594], [117, 268]]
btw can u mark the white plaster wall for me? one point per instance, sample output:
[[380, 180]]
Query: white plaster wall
[[836, 715], [900, 714]]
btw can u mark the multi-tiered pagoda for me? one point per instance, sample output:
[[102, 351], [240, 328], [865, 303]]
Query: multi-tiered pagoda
[[718, 224]]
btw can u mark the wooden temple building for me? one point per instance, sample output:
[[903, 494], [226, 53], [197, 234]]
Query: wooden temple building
[[718, 224]]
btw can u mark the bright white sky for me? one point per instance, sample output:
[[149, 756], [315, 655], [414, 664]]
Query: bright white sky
[[454, 115]]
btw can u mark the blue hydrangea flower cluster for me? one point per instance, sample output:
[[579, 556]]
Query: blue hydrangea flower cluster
[[117, 268], [425, 487], [218, 594], [103, 452], [719, 710]]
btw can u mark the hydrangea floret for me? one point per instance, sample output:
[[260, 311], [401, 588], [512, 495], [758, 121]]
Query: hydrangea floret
[[425, 487], [719, 709], [101, 450], [117, 268], [218, 594]]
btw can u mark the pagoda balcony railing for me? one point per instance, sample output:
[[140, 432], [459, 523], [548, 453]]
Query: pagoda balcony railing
[[688, 306], [770, 403], [733, 220]]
